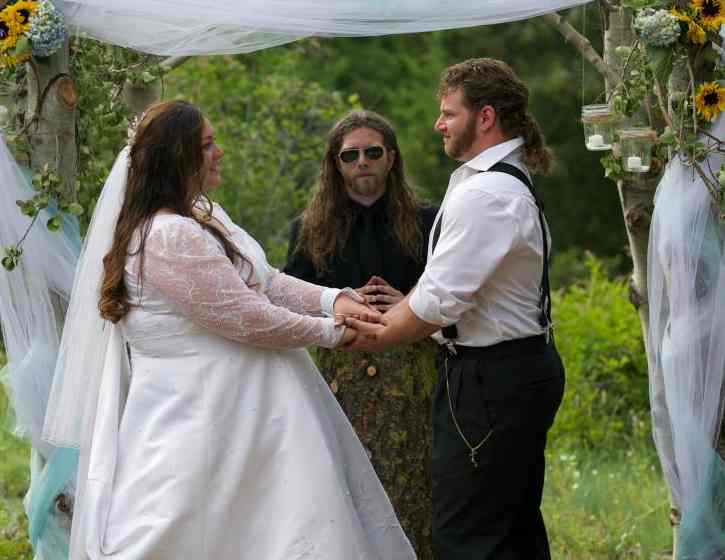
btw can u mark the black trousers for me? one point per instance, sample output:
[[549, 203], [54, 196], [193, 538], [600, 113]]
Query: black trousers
[[510, 392]]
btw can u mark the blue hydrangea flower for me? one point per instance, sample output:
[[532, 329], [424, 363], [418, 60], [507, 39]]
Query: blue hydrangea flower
[[656, 28], [47, 32]]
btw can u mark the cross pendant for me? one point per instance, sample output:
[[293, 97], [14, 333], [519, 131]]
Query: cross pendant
[[473, 458]]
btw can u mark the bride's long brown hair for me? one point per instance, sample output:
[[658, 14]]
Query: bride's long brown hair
[[166, 163]]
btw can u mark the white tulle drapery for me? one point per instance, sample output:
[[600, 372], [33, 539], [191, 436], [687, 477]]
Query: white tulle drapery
[[196, 27], [686, 283], [32, 298]]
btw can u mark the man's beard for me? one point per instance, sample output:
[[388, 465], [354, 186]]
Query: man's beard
[[460, 145], [368, 186]]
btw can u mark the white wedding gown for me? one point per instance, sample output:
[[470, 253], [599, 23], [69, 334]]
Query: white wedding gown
[[220, 440]]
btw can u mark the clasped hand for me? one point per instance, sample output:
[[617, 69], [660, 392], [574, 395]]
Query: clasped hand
[[381, 295], [361, 319]]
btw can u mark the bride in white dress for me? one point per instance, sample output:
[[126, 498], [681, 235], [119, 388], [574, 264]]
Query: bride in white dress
[[211, 434]]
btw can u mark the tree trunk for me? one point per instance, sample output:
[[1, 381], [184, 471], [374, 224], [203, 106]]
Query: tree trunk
[[50, 118], [387, 399], [637, 198], [51, 112]]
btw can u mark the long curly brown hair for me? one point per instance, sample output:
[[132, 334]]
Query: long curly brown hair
[[487, 81], [165, 165], [328, 218]]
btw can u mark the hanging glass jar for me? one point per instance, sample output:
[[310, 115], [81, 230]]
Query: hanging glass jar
[[636, 148], [598, 121]]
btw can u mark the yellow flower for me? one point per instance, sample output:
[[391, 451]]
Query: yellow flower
[[21, 12], [710, 13], [710, 100], [695, 33], [8, 32], [8, 61]]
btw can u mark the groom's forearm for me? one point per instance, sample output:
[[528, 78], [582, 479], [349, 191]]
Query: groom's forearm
[[404, 326]]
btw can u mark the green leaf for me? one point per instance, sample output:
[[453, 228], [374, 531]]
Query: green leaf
[[660, 60], [53, 223], [667, 138], [147, 77], [13, 251], [9, 263], [22, 46], [29, 209], [75, 209]]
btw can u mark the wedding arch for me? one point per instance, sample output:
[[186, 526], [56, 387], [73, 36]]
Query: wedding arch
[[670, 49]]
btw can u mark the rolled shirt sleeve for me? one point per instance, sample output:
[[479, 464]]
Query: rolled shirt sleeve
[[479, 229]]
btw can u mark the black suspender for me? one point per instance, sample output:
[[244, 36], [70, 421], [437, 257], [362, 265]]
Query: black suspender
[[451, 332]]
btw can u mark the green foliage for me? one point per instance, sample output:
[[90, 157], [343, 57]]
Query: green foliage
[[609, 504], [397, 76], [101, 72], [571, 267], [51, 196], [599, 336], [14, 544], [675, 49], [272, 124], [640, 4]]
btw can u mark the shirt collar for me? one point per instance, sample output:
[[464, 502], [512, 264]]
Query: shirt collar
[[377, 208], [491, 156]]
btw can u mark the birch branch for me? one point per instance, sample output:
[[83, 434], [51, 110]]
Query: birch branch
[[582, 44], [168, 64]]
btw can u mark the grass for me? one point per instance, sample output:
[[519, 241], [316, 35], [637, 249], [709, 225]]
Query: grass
[[598, 505], [14, 475], [607, 505]]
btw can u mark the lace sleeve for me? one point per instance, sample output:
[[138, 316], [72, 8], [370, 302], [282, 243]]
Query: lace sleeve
[[188, 267], [300, 296]]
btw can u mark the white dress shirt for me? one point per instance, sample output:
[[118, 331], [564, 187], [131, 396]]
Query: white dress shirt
[[485, 272]]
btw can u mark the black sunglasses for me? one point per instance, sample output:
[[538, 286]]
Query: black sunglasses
[[371, 152]]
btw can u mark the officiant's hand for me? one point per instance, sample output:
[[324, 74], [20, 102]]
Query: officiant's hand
[[380, 294]]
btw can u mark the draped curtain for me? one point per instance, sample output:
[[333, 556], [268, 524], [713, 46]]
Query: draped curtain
[[203, 27]]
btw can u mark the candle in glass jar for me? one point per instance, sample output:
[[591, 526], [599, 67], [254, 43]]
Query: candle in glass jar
[[634, 163], [596, 141]]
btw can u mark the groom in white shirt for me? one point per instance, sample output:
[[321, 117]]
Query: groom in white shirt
[[486, 289]]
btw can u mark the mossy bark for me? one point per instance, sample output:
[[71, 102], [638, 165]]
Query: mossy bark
[[387, 399]]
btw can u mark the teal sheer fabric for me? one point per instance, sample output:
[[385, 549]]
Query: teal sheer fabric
[[30, 296], [48, 529], [686, 346], [702, 529]]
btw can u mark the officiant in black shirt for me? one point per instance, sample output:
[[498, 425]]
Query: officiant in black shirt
[[364, 226]]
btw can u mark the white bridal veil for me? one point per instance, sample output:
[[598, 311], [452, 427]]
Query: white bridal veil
[[686, 283]]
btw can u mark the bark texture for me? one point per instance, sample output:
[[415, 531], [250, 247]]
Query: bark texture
[[387, 399], [51, 116], [636, 195]]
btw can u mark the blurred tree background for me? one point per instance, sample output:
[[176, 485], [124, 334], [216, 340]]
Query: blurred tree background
[[272, 110]]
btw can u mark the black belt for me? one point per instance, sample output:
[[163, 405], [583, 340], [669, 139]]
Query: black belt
[[528, 345]]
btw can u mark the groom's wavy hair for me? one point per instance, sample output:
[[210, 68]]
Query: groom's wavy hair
[[329, 216], [165, 165], [487, 81]]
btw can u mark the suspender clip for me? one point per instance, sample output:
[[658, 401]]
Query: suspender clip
[[451, 347]]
